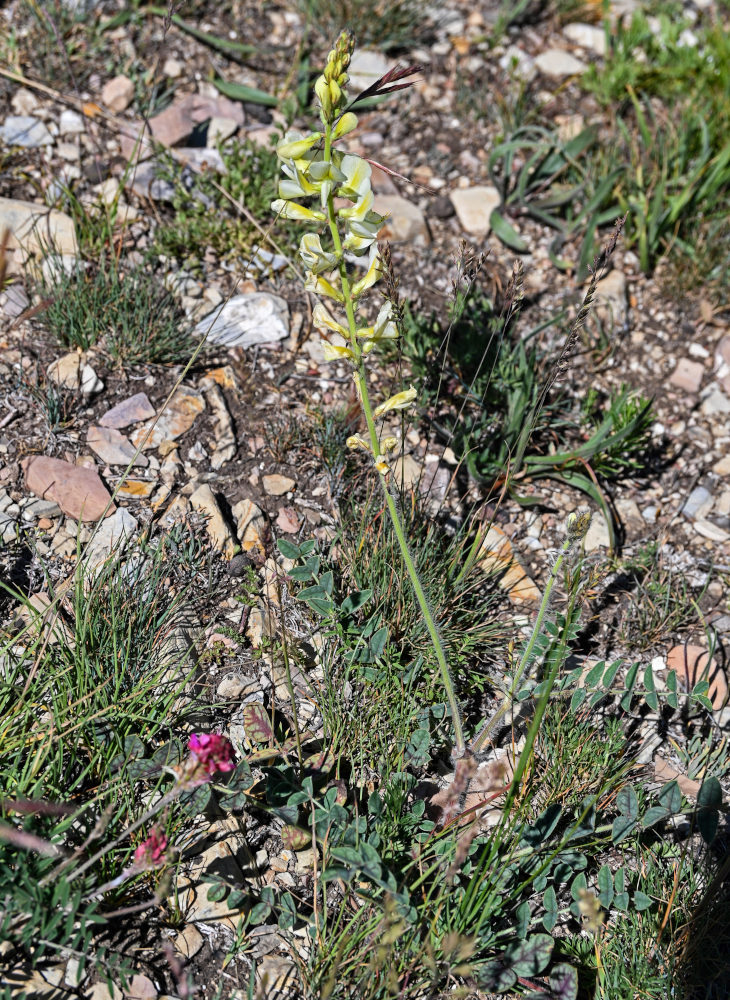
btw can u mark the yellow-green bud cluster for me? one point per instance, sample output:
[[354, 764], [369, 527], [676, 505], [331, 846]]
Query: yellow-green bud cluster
[[330, 87]]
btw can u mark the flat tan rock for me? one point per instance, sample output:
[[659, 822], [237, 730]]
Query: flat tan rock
[[36, 229], [497, 556], [78, 491], [118, 93], [404, 223], [189, 941], [223, 444], [250, 527], [224, 852], [203, 500], [276, 485], [474, 206], [141, 988], [66, 371]]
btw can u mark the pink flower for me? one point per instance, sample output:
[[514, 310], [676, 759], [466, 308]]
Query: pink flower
[[151, 852], [210, 753]]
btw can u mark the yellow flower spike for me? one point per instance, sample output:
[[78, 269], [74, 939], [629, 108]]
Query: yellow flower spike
[[323, 321], [336, 352], [400, 401], [388, 444], [295, 145], [322, 90]]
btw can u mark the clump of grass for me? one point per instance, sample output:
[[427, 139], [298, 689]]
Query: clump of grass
[[575, 754], [661, 602], [460, 602], [214, 211], [63, 38], [128, 314], [89, 698]]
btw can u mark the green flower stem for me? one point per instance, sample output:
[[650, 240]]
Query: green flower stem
[[482, 737], [361, 387]]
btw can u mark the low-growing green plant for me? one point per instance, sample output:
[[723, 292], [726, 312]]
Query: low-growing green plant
[[129, 315], [671, 86], [676, 61], [486, 383], [546, 178]]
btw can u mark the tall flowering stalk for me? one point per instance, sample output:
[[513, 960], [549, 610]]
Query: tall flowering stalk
[[314, 170]]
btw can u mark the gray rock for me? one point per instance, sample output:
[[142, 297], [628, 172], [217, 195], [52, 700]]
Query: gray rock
[[146, 183], [517, 62], [8, 527], [715, 402], [698, 502], [91, 384], [246, 320], [265, 262], [13, 302], [36, 509], [112, 537], [71, 123], [130, 411], [25, 131], [588, 36]]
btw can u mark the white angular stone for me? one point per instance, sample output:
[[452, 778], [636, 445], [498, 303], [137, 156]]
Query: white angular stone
[[588, 36], [366, 67], [611, 301], [112, 538], [557, 63], [246, 320], [474, 206], [404, 223], [71, 123]]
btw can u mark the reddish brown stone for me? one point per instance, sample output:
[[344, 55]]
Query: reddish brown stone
[[78, 491]]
